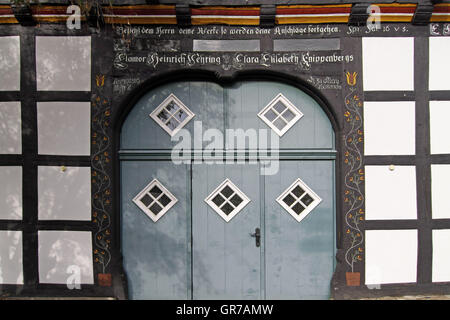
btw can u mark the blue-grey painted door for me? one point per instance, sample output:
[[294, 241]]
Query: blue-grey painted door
[[299, 256], [191, 252], [156, 255], [226, 261]]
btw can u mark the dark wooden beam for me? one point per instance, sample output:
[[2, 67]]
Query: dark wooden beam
[[95, 16], [23, 14], [267, 15], [359, 14], [183, 13], [423, 13]]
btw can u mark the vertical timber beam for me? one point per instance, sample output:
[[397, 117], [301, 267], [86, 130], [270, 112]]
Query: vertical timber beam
[[183, 13], [267, 16], [359, 14], [423, 13], [23, 14]]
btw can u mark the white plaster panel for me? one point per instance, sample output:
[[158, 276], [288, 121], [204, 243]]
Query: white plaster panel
[[439, 67], [11, 193], [63, 253], [63, 63], [391, 256], [439, 128], [390, 194], [388, 63], [10, 63], [440, 186], [389, 128], [11, 269], [64, 193], [441, 255], [64, 128], [10, 128]]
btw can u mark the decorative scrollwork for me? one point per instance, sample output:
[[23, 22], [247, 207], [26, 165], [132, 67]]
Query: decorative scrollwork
[[354, 173], [101, 181]]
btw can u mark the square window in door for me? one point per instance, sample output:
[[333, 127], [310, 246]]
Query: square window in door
[[299, 200], [227, 200], [172, 115], [280, 114], [155, 200]]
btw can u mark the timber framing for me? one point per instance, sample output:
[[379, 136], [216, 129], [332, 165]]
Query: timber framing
[[263, 15]]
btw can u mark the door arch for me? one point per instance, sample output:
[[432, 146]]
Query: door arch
[[191, 251]]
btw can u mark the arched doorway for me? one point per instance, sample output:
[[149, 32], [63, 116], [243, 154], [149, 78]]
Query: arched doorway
[[209, 226]]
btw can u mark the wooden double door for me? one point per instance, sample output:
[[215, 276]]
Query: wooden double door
[[226, 230]]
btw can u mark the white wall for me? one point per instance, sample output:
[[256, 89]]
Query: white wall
[[391, 256]]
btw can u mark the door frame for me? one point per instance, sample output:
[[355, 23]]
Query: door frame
[[158, 80]]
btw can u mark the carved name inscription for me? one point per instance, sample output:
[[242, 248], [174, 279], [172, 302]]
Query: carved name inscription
[[227, 61]]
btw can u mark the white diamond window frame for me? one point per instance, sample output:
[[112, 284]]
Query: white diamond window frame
[[289, 106], [306, 191], [172, 99], [146, 191], [236, 191]]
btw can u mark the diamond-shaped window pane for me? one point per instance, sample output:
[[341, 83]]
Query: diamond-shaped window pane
[[270, 115], [236, 200], [289, 200], [164, 115], [288, 115], [279, 107], [164, 200], [146, 200], [218, 200], [307, 200], [155, 191], [227, 191], [280, 114], [298, 208], [227, 208], [155, 200], [172, 107], [172, 115], [181, 116], [227, 200], [299, 200], [297, 191], [155, 208], [279, 123]]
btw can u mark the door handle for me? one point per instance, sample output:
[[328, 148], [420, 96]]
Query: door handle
[[257, 236]]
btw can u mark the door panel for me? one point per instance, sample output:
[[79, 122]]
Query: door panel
[[204, 99], [300, 255], [156, 255], [246, 99], [192, 252], [226, 261]]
